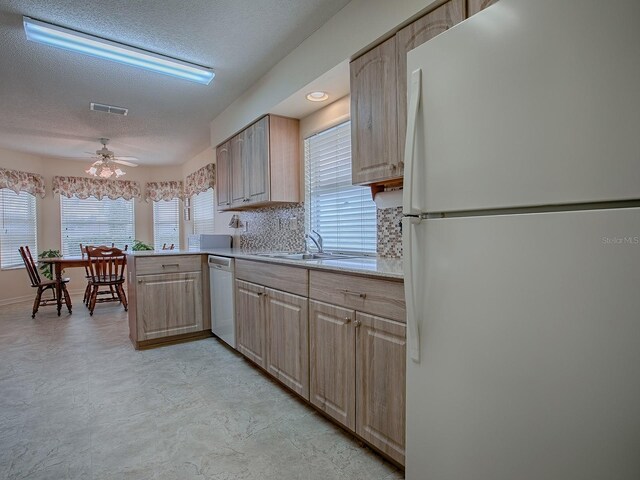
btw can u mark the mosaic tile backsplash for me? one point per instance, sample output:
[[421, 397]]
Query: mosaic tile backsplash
[[278, 228], [282, 229], [389, 233]]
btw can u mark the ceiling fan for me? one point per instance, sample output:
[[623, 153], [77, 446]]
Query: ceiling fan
[[104, 166]]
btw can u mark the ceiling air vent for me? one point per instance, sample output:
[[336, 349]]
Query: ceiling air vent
[[101, 107]]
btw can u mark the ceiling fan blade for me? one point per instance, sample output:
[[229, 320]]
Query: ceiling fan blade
[[124, 162]]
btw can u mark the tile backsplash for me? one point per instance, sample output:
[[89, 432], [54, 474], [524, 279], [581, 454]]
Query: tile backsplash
[[281, 228], [278, 228], [389, 232]]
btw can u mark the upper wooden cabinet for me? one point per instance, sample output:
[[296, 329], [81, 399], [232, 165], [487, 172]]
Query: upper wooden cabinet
[[474, 6], [260, 165], [374, 118], [412, 36], [379, 97]]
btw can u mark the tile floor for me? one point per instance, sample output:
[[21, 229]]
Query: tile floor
[[78, 402]]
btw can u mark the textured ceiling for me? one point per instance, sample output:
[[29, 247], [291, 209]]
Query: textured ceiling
[[45, 92]]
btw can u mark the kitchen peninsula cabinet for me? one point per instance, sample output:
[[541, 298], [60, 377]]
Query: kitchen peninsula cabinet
[[378, 83], [260, 165], [168, 300]]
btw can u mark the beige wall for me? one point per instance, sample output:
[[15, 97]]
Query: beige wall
[[14, 284], [359, 25]]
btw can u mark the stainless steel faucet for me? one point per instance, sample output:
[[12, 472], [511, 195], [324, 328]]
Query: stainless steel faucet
[[318, 242]]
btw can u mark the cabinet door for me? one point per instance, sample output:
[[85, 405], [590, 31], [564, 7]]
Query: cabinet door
[[288, 340], [332, 361], [250, 321], [474, 6], [374, 119], [257, 161], [223, 174], [413, 35], [380, 383], [168, 304], [237, 182]]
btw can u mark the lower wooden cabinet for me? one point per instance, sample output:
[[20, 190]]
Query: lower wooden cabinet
[[348, 363], [380, 383], [250, 322], [332, 361], [358, 373], [169, 304], [288, 340]]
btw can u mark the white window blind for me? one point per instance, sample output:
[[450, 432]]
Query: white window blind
[[343, 214], [166, 223], [95, 222], [202, 212], [19, 227]]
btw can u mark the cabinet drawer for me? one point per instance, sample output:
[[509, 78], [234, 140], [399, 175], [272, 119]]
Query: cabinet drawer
[[379, 297], [290, 279], [168, 264]]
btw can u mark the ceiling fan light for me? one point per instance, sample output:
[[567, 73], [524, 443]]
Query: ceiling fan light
[[119, 172], [106, 172], [92, 170]]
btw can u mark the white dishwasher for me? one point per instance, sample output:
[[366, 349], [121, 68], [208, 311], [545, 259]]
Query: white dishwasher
[[221, 277]]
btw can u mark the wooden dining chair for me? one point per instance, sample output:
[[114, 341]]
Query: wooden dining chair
[[106, 267], [43, 285]]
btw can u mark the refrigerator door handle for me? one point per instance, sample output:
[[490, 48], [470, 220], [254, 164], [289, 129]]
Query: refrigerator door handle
[[409, 146], [413, 333]]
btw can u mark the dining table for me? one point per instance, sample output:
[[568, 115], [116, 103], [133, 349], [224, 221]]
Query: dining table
[[57, 265]]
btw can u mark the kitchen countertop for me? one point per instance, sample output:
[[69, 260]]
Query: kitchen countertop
[[390, 268]]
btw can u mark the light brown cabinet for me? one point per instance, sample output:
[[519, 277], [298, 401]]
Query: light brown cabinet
[[474, 6], [251, 322], [223, 174], [357, 360], [380, 383], [332, 361], [288, 340], [167, 299], [412, 36], [379, 97], [263, 165], [374, 118]]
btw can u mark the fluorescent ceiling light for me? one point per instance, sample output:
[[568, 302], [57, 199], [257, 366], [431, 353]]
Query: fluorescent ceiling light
[[66, 39]]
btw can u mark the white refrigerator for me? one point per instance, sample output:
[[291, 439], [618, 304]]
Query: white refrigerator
[[522, 245]]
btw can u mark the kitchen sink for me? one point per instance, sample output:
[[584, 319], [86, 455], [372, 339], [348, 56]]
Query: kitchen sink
[[308, 256]]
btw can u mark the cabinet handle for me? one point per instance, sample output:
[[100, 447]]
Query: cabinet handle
[[260, 294], [357, 323], [347, 319], [355, 294], [165, 265], [139, 281], [228, 203]]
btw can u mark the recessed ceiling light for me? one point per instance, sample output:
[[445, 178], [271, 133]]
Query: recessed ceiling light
[[318, 96], [79, 42]]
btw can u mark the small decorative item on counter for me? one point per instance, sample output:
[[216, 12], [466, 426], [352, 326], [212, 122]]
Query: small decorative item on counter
[[45, 268], [138, 246]]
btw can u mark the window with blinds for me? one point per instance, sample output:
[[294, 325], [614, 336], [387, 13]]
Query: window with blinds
[[166, 223], [202, 212], [95, 222], [343, 214], [19, 227]]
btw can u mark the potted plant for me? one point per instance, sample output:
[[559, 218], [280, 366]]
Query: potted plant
[[138, 245], [45, 268]]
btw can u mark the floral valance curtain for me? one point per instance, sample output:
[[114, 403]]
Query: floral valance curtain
[[83, 187], [157, 191], [22, 182], [200, 180]]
